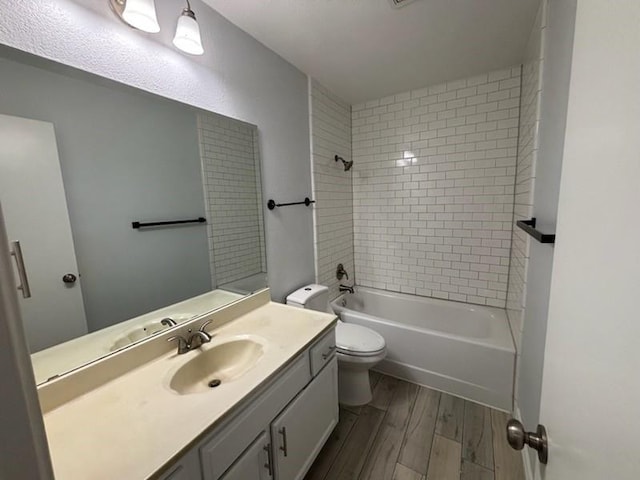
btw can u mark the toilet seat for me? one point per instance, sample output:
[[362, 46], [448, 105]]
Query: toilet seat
[[358, 341], [349, 353]]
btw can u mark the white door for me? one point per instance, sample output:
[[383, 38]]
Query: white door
[[590, 401], [36, 216]]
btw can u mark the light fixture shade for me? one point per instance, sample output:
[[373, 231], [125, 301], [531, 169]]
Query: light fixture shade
[[187, 36], [141, 14]]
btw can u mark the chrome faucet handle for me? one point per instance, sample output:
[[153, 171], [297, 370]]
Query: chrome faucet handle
[[198, 338], [183, 345], [204, 325], [168, 322]]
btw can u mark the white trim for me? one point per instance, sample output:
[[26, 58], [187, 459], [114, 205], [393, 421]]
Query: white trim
[[526, 452]]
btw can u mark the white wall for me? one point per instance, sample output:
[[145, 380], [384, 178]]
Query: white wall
[[433, 188], [331, 135], [556, 71], [556, 40], [237, 77]]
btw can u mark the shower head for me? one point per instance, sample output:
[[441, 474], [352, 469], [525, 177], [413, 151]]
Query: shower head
[[347, 164]]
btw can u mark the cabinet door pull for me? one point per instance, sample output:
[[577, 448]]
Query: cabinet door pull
[[328, 353], [268, 465], [283, 447]]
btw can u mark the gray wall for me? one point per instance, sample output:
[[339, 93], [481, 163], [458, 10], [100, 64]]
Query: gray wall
[[125, 155], [555, 94]]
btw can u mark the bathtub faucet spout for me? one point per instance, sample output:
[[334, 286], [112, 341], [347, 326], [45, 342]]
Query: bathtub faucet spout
[[345, 288]]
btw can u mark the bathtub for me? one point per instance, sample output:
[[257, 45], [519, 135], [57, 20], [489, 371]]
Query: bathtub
[[466, 350]]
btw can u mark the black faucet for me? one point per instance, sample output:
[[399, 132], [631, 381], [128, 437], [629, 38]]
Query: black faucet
[[341, 272]]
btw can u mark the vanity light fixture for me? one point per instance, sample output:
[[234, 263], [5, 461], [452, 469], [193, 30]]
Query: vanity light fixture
[[140, 14], [187, 36]]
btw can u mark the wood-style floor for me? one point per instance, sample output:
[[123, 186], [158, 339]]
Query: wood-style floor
[[409, 432]]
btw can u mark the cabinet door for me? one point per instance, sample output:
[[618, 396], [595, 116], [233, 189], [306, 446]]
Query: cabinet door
[[302, 428], [254, 463]]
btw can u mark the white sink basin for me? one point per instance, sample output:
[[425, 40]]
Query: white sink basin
[[216, 365]]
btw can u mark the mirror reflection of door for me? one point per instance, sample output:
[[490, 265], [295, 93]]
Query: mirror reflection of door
[[35, 207]]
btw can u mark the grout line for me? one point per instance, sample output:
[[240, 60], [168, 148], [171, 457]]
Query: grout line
[[346, 439], [464, 408], [366, 458], [413, 403], [433, 436], [341, 447]]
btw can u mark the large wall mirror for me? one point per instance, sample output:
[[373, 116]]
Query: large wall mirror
[[83, 158]]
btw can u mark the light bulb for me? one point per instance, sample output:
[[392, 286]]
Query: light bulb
[[141, 14], [187, 36]]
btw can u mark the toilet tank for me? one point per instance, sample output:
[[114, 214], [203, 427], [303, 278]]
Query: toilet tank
[[313, 297]]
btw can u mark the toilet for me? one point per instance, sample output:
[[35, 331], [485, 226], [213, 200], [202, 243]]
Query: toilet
[[358, 348]]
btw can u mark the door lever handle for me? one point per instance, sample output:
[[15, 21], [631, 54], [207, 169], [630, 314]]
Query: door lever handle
[[16, 252], [518, 438]]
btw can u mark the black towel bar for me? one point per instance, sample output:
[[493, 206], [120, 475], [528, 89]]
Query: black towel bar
[[171, 222], [529, 226], [271, 204]]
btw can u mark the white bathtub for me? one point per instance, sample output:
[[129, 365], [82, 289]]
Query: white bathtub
[[463, 349]]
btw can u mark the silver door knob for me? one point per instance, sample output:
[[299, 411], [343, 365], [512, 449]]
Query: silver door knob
[[518, 438], [69, 278]]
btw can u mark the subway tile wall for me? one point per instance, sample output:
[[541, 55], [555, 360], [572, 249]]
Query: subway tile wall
[[433, 188], [232, 185], [330, 120], [525, 174]]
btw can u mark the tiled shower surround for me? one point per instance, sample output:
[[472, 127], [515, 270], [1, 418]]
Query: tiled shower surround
[[330, 120], [433, 188], [231, 176]]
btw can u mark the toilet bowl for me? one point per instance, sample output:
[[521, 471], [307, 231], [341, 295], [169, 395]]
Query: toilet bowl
[[358, 349]]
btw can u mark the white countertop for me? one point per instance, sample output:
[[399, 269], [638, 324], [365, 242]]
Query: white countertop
[[130, 427]]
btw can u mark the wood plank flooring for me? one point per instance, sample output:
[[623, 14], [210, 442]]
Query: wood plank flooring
[[409, 432]]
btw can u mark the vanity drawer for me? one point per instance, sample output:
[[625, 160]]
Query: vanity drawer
[[322, 351]]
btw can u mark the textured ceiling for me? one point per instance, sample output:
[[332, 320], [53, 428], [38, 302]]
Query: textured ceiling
[[365, 49]]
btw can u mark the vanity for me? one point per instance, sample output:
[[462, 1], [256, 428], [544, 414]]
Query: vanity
[[256, 402]]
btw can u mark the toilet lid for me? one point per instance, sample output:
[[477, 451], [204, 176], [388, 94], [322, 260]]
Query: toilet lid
[[356, 339]]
